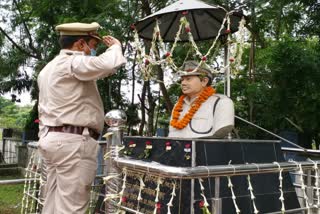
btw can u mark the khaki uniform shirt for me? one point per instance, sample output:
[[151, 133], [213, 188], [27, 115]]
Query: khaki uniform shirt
[[215, 117], [68, 93]]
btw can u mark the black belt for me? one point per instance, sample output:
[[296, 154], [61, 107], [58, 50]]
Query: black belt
[[74, 130]]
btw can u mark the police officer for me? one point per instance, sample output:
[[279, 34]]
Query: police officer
[[200, 111], [71, 114]]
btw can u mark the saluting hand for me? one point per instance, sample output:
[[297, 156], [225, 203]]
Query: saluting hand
[[109, 41]]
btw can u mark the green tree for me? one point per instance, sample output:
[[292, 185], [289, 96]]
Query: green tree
[[22, 49], [285, 92], [11, 115], [28, 41]]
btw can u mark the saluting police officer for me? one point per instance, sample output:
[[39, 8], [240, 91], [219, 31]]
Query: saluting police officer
[[200, 111], [71, 114]]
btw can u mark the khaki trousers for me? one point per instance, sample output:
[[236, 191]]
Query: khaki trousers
[[71, 168]]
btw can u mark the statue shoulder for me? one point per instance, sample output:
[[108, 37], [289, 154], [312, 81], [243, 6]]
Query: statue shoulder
[[221, 98]]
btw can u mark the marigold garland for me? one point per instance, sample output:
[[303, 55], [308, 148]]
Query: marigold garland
[[180, 124]]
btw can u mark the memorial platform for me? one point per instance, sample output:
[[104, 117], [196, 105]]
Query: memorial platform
[[206, 152]]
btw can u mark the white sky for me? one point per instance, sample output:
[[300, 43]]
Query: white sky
[[24, 97]]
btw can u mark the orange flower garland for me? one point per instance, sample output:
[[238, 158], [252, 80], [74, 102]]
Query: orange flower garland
[[180, 124]]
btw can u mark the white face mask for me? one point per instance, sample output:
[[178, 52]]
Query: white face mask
[[93, 52]]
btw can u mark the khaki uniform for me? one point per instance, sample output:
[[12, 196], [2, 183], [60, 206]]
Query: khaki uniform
[[68, 95], [215, 118]]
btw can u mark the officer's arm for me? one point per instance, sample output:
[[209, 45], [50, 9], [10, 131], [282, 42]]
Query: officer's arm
[[88, 68]]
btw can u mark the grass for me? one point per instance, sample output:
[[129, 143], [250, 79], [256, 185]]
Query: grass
[[10, 196]]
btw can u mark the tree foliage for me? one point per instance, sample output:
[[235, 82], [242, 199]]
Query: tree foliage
[[11, 115], [276, 88], [37, 43]]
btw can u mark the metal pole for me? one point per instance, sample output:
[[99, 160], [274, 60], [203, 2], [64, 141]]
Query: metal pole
[[227, 80], [193, 164], [217, 200], [228, 71], [115, 119], [225, 70], [273, 134], [164, 171], [227, 77], [113, 185], [14, 181], [3, 149]]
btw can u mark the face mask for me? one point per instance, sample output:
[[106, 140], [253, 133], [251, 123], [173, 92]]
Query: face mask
[[93, 52]]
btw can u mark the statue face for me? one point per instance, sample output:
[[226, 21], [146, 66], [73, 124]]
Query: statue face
[[192, 86]]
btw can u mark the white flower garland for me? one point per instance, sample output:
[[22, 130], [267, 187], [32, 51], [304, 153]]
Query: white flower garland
[[227, 18], [316, 182], [110, 196], [154, 57], [250, 188], [124, 182], [156, 200], [173, 194], [205, 204], [113, 151], [230, 185], [303, 186], [142, 185], [240, 45], [281, 198]]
